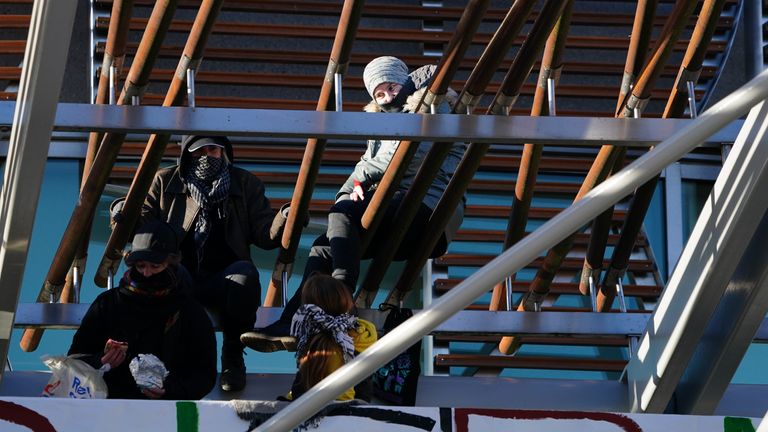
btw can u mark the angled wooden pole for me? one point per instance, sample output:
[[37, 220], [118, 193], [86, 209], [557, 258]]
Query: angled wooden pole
[[689, 71], [313, 153], [114, 57], [138, 78], [609, 155], [521, 65], [155, 148]]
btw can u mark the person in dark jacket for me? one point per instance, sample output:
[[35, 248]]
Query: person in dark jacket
[[219, 211], [150, 313], [337, 252]]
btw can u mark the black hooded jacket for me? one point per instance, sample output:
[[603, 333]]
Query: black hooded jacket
[[248, 217], [175, 328]]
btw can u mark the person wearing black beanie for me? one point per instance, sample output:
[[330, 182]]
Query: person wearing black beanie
[[150, 312]]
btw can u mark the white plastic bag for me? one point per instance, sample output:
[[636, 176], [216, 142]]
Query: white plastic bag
[[74, 378]]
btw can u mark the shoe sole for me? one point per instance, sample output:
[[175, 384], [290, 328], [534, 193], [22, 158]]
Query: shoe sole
[[267, 344], [228, 388]]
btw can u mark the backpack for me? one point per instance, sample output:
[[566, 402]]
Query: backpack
[[396, 381]]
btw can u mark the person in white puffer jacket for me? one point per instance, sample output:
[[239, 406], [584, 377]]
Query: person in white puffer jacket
[[337, 252]]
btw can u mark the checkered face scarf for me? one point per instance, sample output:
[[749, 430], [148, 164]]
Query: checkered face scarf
[[310, 320], [208, 181]]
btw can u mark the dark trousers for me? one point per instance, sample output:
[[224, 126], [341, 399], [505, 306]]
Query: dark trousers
[[234, 293], [337, 252]]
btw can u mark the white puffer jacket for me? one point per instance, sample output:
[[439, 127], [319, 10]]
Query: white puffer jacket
[[379, 152]]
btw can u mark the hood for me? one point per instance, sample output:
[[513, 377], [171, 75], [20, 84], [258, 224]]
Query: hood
[[188, 140], [421, 78], [365, 335]]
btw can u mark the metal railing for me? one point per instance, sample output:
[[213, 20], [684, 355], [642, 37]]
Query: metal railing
[[568, 221]]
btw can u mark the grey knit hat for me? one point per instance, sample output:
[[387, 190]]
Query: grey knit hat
[[384, 69]]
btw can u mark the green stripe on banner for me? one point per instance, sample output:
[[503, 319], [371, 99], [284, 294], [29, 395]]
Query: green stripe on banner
[[186, 417], [737, 424]]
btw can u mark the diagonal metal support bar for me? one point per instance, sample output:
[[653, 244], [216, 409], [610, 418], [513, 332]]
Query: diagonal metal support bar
[[737, 318], [44, 60], [732, 214]]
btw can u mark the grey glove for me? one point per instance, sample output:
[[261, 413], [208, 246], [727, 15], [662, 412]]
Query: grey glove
[[278, 223], [115, 209]]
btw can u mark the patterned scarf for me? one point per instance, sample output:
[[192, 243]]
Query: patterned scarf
[[310, 320], [158, 285], [398, 103], [208, 181]]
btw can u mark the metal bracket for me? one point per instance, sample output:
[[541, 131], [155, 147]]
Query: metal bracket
[[503, 103], [132, 91], [626, 82], [112, 85], [533, 301], [285, 287], [551, 96], [469, 100], [594, 276], [281, 270], [76, 283], [635, 105], [50, 292], [692, 99], [77, 265], [508, 293], [337, 77], [686, 75], [433, 99], [549, 73], [331, 71], [107, 63], [182, 68], [191, 87], [620, 295]]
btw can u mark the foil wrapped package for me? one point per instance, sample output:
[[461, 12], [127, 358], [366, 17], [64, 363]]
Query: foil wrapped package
[[148, 371]]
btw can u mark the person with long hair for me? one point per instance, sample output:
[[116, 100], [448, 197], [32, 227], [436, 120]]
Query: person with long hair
[[328, 335], [150, 312]]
